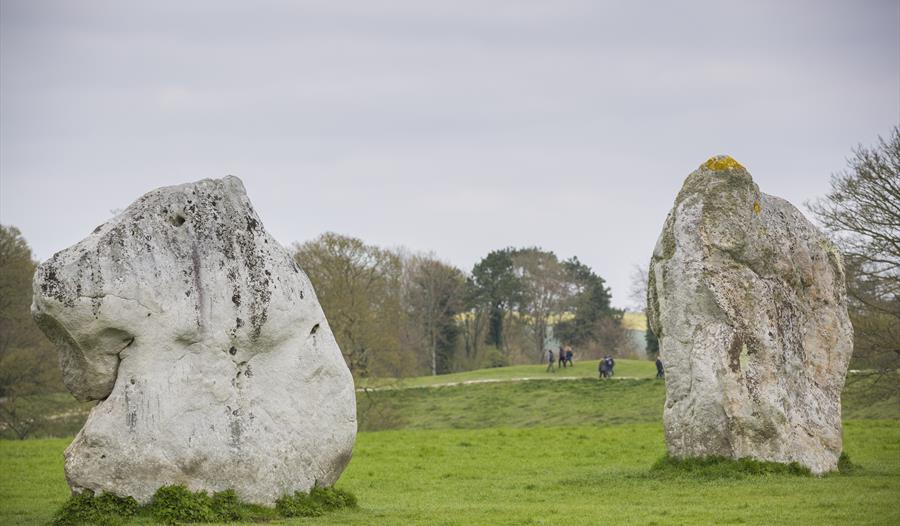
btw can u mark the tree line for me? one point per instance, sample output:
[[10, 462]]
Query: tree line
[[28, 363], [861, 213], [395, 313]]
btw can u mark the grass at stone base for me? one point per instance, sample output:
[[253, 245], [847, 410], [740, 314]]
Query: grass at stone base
[[177, 504], [541, 475]]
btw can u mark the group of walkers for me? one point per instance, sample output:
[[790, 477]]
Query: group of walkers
[[606, 368], [564, 359]]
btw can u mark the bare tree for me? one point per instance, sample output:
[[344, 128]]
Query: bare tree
[[359, 287], [862, 210], [862, 214], [638, 292], [544, 286], [28, 365], [473, 323], [436, 293]]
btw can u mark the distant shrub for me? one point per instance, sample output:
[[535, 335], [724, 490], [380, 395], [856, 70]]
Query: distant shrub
[[374, 413], [716, 467], [103, 510], [494, 357]]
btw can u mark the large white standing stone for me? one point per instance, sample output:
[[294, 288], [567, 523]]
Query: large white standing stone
[[206, 347], [749, 303]]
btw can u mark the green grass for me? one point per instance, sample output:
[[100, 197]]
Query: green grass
[[546, 403], [544, 452], [32, 484], [514, 404], [542, 475], [587, 369]]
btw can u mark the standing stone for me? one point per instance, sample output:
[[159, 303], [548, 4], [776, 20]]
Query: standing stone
[[749, 303], [205, 345]]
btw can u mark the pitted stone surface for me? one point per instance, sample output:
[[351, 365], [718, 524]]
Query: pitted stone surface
[[749, 303], [206, 346]]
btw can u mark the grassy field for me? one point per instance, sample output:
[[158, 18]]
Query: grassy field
[[542, 452], [581, 400], [587, 369]]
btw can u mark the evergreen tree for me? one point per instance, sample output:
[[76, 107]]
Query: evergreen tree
[[496, 286]]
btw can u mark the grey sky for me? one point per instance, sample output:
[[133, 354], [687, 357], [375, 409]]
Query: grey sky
[[454, 127]]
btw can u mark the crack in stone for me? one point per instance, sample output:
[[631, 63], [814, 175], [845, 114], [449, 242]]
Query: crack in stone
[[101, 296]]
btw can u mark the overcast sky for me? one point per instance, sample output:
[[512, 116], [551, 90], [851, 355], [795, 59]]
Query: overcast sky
[[454, 127]]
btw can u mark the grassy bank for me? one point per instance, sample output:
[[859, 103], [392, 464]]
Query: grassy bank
[[514, 404], [548, 403], [586, 369]]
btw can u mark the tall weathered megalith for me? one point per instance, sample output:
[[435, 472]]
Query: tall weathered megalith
[[749, 303], [203, 341]]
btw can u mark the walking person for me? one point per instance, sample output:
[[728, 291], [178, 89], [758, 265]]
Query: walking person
[[569, 356], [550, 361], [602, 368], [562, 358]]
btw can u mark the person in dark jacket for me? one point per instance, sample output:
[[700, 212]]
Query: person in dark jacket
[[550, 361], [569, 356], [660, 373], [562, 358]]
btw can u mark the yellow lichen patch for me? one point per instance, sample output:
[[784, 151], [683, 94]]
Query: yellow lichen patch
[[756, 208], [722, 162]]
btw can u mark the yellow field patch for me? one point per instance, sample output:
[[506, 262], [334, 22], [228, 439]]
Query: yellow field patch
[[635, 321]]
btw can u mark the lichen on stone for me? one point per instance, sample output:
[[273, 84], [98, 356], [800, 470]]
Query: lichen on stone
[[223, 295], [720, 163], [753, 324]]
